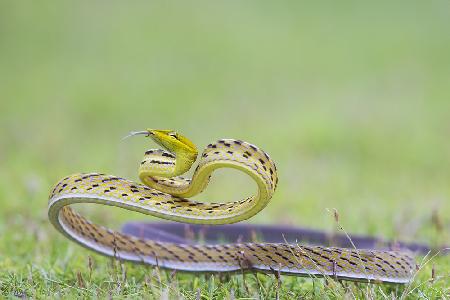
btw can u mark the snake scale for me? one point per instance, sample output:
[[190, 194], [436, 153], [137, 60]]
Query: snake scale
[[165, 194]]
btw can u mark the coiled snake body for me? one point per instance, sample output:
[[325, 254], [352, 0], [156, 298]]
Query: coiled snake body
[[165, 194]]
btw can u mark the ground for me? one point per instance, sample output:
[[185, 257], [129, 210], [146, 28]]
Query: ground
[[351, 99]]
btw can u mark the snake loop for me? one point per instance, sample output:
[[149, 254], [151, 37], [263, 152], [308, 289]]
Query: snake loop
[[165, 194]]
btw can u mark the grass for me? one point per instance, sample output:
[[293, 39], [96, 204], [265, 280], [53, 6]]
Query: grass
[[350, 99]]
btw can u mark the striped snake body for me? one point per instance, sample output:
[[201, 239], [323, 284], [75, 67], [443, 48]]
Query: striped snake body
[[164, 193]]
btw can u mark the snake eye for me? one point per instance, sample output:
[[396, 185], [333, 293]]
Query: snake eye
[[173, 134]]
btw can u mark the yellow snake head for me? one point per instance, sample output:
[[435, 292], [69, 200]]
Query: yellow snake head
[[185, 150], [173, 141]]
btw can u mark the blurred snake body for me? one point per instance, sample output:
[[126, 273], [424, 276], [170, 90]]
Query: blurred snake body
[[164, 193]]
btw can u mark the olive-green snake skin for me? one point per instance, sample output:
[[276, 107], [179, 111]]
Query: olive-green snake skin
[[165, 194]]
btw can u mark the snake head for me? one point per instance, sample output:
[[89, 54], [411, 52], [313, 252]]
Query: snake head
[[173, 141]]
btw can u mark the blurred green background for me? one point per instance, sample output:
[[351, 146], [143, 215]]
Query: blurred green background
[[350, 98]]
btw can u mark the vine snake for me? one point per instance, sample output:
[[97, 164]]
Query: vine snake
[[165, 194]]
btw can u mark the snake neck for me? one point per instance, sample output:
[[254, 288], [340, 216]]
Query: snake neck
[[183, 162], [159, 164]]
